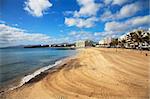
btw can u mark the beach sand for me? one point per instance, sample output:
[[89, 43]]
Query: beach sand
[[94, 73]]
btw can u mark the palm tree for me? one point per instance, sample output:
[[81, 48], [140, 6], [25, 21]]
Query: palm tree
[[122, 42], [114, 43], [146, 38], [136, 37]]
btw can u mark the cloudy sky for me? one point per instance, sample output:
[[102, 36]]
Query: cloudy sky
[[54, 21]]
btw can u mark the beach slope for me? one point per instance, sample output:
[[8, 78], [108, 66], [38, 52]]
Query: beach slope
[[94, 73]]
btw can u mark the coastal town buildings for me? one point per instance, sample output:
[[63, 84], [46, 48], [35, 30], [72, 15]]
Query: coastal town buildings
[[137, 39], [105, 42], [80, 44], [71, 45], [84, 43]]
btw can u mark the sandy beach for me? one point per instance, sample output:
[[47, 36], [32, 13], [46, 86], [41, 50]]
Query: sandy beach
[[94, 73]]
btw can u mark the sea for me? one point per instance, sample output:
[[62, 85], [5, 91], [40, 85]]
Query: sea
[[19, 65]]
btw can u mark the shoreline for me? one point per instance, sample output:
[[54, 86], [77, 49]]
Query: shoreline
[[75, 64], [41, 74]]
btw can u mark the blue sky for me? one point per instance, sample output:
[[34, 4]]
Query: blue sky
[[57, 21]]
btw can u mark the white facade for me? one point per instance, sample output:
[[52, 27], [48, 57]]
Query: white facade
[[106, 41], [80, 44]]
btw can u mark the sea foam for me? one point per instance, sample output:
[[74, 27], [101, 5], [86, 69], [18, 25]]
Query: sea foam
[[37, 72]]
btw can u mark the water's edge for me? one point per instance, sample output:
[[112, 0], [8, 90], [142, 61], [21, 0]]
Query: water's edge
[[34, 74], [26, 79]]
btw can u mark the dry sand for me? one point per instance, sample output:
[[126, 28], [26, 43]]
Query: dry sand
[[95, 73]]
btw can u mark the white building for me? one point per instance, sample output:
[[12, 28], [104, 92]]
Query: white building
[[132, 43], [83, 43], [105, 41], [80, 44]]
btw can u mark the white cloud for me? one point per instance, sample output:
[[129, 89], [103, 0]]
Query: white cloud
[[86, 16], [68, 13], [107, 16], [107, 1], [81, 35], [95, 36], [129, 10], [117, 2], [88, 8], [132, 23], [37, 7], [105, 34], [140, 20], [79, 22], [126, 11], [12, 35], [115, 26]]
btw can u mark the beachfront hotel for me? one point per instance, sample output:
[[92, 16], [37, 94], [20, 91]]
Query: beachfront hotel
[[136, 39], [105, 42], [83, 43]]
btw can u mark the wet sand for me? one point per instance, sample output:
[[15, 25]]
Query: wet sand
[[94, 73]]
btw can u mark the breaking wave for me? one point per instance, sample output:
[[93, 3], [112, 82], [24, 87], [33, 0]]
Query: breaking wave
[[34, 74]]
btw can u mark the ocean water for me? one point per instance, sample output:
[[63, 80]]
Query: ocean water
[[21, 64]]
